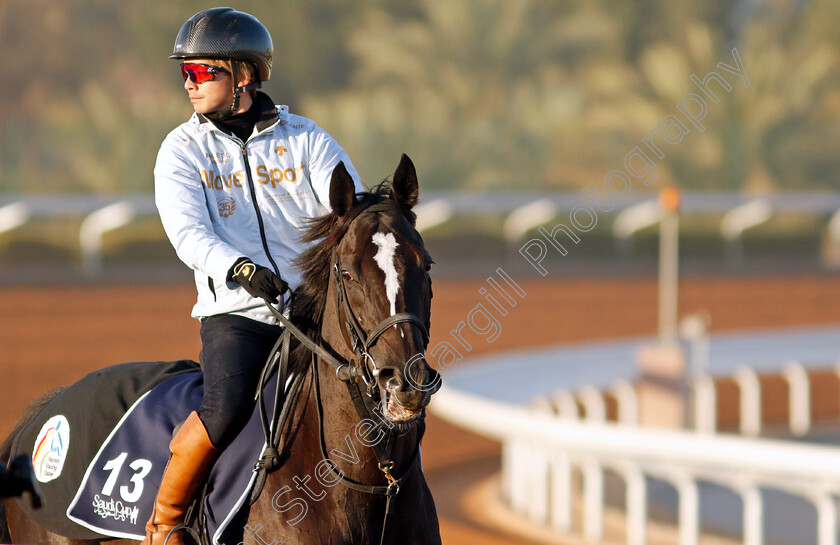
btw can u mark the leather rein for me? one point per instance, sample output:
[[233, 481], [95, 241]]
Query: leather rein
[[365, 400]]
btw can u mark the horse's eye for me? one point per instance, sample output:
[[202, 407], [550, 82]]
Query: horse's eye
[[429, 265], [346, 275]]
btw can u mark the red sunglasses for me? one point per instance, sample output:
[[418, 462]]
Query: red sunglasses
[[200, 73]]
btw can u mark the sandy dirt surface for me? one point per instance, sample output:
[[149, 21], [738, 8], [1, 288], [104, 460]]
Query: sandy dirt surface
[[55, 335]]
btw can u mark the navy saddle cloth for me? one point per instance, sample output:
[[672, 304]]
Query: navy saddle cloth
[[99, 449]]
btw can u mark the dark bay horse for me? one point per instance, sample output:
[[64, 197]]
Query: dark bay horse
[[366, 302]]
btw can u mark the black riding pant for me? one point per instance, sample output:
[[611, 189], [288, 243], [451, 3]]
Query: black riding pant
[[233, 352]]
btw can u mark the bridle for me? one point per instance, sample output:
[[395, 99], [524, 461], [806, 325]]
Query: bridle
[[347, 371], [361, 342]]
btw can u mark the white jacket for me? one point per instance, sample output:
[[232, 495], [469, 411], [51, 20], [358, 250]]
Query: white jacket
[[221, 199]]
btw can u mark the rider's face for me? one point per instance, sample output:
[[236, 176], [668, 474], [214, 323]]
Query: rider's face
[[210, 96]]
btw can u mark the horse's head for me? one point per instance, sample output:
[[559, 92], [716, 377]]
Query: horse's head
[[380, 279]]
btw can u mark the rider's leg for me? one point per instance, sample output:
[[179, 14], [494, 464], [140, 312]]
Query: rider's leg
[[234, 350], [192, 457]]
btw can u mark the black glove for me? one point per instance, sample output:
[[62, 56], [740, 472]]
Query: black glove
[[257, 280]]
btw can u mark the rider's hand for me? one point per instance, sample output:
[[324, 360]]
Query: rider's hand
[[258, 281]]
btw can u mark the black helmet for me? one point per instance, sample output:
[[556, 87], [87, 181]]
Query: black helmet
[[224, 33]]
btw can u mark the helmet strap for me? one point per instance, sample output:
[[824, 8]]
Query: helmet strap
[[239, 89], [224, 113], [236, 88]]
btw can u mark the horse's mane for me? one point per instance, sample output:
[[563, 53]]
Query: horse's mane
[[310, 299]]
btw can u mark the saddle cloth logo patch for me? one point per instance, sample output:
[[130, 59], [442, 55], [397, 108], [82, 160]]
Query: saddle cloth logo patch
[[51, 448]]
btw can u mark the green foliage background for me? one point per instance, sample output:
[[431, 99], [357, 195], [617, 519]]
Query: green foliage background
[[483, 94]]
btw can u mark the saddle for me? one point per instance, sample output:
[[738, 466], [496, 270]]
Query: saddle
[[99, 449]]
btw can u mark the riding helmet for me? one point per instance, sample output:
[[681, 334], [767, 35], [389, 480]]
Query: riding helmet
[[224, 33]]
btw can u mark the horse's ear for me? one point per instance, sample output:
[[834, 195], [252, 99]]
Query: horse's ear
[[404, 188], [342, 190]]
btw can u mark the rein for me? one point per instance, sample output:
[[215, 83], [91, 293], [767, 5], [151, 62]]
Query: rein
[[365, 403]]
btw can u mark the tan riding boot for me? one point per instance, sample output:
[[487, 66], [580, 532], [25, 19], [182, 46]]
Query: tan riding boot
[[192, 457]]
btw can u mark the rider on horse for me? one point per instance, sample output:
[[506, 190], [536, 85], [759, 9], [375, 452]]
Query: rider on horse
[[233, 185]]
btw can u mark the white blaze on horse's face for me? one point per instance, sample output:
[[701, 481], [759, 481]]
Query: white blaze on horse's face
[[385, 259]]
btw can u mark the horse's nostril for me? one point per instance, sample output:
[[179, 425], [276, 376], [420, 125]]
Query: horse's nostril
[[393, 383], [390, 380]]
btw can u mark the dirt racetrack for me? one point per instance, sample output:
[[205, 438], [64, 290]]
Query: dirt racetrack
[[50, 336]]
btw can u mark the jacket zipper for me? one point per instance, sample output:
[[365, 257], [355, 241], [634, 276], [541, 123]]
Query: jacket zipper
[[253, 191]]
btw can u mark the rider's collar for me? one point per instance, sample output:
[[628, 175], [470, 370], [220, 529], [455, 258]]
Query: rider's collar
[[268, 115]]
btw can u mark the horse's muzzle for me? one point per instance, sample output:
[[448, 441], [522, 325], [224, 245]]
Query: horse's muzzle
[[406, 392]]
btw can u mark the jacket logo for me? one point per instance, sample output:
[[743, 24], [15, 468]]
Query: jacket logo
[[281, 150], [219, 181], [275, 176], [211, 180], [227, 207], [218, 157]]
